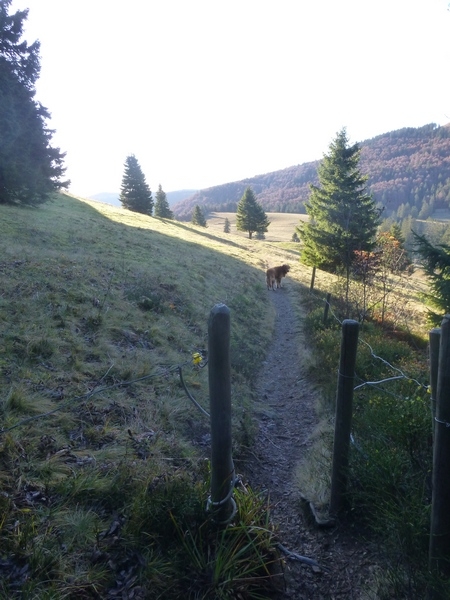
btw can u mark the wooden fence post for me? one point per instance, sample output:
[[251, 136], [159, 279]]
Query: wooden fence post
[[439, 549], [343, 421], [327, 308], [221, 502], [313, 276], [435, 339]]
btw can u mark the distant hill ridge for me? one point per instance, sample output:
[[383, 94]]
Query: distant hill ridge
[[408, 169], [114, 197]]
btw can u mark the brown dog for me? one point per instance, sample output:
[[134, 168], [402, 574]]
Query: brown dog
[[274, 276]]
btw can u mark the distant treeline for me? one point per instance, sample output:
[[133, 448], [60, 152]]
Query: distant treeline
[[408, 169]]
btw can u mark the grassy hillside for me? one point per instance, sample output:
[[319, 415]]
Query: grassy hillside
[[98, 309]]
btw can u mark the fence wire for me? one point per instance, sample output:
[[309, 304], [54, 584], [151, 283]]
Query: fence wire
[[401, 373], [198, 361]]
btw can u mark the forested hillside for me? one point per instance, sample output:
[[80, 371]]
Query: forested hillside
[[408, 169]]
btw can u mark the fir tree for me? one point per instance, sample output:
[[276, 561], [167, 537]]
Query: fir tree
[[135, 194], [250, 215], [162, 208], [198, 217], [343, 215], [226, 225], [436, 265], [397, 234], [30, 168]]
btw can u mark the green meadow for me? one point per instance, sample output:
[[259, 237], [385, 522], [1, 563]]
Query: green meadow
[[282, 225]]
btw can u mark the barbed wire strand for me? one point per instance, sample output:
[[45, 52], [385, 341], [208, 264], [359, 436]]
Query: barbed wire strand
[[189, 395], [401, 375], [96, 391]]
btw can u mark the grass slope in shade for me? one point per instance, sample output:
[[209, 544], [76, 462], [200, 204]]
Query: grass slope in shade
[[98, 307]]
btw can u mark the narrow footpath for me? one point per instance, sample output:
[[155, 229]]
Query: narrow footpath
[[287, 419]]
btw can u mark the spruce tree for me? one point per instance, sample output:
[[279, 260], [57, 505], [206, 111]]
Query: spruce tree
[[396, 232], [162, 208], [436, 265], [30, 168], [135, 194], [226, 225], [250, 215], [343, 218], [198, 217]]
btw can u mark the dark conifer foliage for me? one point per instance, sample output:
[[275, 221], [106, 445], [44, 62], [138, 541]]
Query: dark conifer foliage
[[135, 194], [162, 208], [250, 216], [343, 215], [436, 265], [30, 168], [198, 218]]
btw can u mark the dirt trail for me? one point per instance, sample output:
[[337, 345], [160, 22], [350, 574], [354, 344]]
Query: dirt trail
[[287, 419]]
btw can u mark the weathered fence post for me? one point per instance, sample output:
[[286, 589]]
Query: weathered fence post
[[439, 549], [343, 421], [434, 337], [219, 371], [326, 309], [313, 276]]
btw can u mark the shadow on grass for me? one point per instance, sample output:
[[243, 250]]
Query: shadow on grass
[[209, 236]]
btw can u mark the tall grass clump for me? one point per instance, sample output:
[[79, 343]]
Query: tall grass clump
[[239, 560]]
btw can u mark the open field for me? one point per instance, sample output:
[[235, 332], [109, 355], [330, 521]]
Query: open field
[[281, 228]]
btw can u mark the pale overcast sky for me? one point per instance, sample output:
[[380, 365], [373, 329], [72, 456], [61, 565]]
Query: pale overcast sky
[[205, 92]]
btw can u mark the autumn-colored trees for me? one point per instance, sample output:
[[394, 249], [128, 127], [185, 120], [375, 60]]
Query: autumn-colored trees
[[381, 274]]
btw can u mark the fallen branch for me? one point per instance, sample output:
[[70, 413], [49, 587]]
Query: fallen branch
[[304, 559]]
